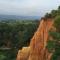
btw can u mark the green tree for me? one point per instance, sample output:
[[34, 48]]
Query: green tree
[[57, 23]]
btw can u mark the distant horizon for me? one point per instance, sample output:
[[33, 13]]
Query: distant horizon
[[16, 15], [27, 7]]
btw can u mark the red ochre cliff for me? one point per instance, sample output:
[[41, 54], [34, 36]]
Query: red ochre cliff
[[37, 49]]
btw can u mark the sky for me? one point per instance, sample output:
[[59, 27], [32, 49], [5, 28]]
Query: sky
[[27, 7]]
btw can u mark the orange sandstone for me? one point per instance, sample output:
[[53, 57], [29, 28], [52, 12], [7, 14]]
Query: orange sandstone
[[23, 54], [37, 50]]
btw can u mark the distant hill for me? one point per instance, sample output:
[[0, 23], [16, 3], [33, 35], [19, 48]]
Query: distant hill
[[5, 17]]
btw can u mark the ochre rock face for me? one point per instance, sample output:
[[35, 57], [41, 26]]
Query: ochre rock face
[[23, 54], [39, 41], [37, 50]]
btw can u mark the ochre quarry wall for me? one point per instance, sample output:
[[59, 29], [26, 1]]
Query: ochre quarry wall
[[37, 49]]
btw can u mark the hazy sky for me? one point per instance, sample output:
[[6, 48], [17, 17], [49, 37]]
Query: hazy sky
[[27, 7]]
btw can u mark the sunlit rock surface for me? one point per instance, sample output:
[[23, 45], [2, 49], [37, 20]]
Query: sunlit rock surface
[[23, 54]]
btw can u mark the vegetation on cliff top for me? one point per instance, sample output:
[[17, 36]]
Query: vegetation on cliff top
[[54, 45]]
